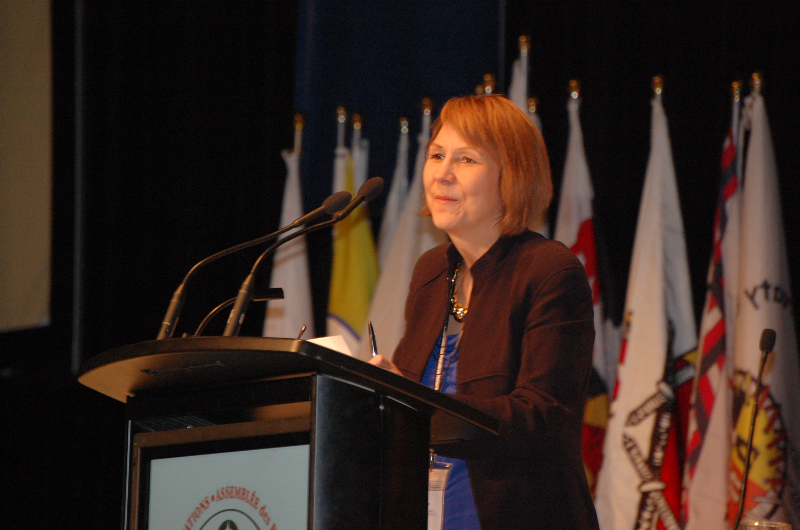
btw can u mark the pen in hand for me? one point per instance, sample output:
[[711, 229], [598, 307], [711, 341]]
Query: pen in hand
[[372, 340]]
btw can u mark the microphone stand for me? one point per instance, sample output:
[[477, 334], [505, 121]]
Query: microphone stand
[[368, 191], [767, 343], [245, 295], [331, 205]]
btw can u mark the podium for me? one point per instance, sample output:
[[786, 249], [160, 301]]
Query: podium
[[252, 432]]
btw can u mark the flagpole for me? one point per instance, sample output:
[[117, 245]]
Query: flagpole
[[736, 93], [489, 83], [574, 89], [356, 140], [299, 123], [756, 82], [341, 117], [427, 108], [658, 86], [524, 47]]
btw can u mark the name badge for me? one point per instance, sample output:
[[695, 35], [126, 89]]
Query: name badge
[[437, 482]]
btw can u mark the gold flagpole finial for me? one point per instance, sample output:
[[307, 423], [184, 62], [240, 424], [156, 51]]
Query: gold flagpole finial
[[488, 83], [736, 91], [341, 114], [524, 45], [298, 122], [756, 82], [658, 85], [356, 121], [427, 106], [532, 104], [574, 89], [404, 125]]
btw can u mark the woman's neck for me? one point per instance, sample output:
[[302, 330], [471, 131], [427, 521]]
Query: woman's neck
[[472, 249]]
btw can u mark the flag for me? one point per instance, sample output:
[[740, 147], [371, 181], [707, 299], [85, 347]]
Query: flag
[[575, 228], [359, 148], [397, 195], [285, 318], [764, 301], [659, 329], [355, 262], [414, 236], [518, 87], [518, 94], [709, 436]]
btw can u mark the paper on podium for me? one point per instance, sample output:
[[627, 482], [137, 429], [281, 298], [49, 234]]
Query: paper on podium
[[334, 342]]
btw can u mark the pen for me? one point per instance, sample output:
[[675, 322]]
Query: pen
[[372, 340]]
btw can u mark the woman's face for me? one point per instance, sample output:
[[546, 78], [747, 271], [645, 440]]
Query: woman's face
[[462, 188]]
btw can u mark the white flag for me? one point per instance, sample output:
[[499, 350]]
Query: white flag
[[518, 87], [285, 318], [659, 323], [360, 152], [414, 236], [397, 196], [764, 301]]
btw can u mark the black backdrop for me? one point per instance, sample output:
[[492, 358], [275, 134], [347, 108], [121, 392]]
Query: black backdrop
[[186, 106], [614, 49]]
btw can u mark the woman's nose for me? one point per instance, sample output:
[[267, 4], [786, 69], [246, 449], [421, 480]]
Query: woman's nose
[[444, 171]]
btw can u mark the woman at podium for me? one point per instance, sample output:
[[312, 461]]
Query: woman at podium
[[502, 318]]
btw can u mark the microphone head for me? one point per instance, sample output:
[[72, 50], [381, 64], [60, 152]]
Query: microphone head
[[336, 202], [371, 188], [768, 339]]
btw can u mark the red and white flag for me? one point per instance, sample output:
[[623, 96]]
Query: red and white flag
[[709, 438], [659, 329], [575, 228], [764, 301]]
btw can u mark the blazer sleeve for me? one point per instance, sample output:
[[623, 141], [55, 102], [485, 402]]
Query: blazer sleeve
[[543, 411]]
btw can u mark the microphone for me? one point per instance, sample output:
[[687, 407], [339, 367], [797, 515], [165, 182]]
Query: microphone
[[330, 206], [766, 344], [368, 191]]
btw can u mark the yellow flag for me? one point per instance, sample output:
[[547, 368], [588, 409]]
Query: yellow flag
[[355, 266]]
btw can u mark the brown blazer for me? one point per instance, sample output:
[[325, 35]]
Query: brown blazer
[[524, 357]]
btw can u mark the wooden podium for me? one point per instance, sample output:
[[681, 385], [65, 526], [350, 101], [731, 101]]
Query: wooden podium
[[367, 431]]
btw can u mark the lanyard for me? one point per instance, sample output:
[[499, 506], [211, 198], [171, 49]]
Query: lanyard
[[437, 382]]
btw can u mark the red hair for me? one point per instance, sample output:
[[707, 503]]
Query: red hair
[[494, 125]]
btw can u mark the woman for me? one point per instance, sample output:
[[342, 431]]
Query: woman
[[516, 311]]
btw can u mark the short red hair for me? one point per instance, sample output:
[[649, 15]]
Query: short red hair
[[494, 125]]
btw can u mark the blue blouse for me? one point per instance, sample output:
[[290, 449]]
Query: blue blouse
[[459, 506]]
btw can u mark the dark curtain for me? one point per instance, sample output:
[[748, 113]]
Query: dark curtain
[[380, 60], [186, 108], [614, 49]]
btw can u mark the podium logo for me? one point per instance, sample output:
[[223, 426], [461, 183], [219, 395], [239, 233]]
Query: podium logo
[[230, 508]]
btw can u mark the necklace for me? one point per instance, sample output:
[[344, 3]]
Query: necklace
[[458, 311]]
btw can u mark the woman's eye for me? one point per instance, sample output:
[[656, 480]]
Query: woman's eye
[[436, 156], [466, 160]]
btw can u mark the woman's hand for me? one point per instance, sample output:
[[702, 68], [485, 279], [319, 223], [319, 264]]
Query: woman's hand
[[382, 362]]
